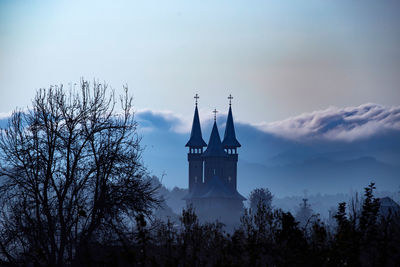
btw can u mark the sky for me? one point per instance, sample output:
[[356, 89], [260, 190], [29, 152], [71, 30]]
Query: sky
[[278, 58], [315, 82]]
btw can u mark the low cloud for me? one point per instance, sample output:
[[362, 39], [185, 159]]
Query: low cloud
[[4, 119], [332, 124], [150, 120], [162, 120], [5, 115], [344, 124]]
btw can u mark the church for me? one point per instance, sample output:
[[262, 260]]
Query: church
[[213, 172]]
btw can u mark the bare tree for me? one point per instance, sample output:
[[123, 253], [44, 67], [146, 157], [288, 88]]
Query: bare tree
[[71, 175]]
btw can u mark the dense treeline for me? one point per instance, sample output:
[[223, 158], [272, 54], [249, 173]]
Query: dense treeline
[[265, 237]]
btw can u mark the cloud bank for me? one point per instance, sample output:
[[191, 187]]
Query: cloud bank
[[332, 124], [162, 120], [342, 124], [150, 120]]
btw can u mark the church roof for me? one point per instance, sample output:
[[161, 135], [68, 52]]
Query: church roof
[[214, 148], [230, 140], [196, 139], [214, 188], [217, 189], [197, 192]]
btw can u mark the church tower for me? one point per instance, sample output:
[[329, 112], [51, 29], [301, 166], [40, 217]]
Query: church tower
[[214, 193], [195, 145], [215, 155], [231, 144]]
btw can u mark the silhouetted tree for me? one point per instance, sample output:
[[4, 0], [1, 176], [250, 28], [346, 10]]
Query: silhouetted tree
[[304, 214], [357, 239], [319, 243], [71, 175], [258, 196], [368, 227]]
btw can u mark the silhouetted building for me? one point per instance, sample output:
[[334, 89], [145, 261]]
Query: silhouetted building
[[213, 172]]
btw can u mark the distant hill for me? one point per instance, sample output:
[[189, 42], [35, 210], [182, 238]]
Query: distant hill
[[322, 175], [286, 165]]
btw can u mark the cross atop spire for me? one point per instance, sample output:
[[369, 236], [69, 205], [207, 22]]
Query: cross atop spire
[[215, 111], [230, 97], [196, 97]]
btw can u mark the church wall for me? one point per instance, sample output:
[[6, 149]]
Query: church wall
[[230, 176], [212, 167], [224, 168], [195, 171]]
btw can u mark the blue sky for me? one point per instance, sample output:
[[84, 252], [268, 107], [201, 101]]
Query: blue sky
[[315, 82], [277, 58]]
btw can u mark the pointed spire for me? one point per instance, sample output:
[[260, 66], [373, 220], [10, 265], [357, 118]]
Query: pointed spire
[[230, 140], [196, 138], [214, 148]]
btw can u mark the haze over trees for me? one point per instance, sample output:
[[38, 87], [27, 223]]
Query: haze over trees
[[304, 213], [273, 237]]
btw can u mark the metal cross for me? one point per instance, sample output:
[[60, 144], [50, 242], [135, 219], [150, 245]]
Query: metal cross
[[196, 97], [215, 114], [230, 97]]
